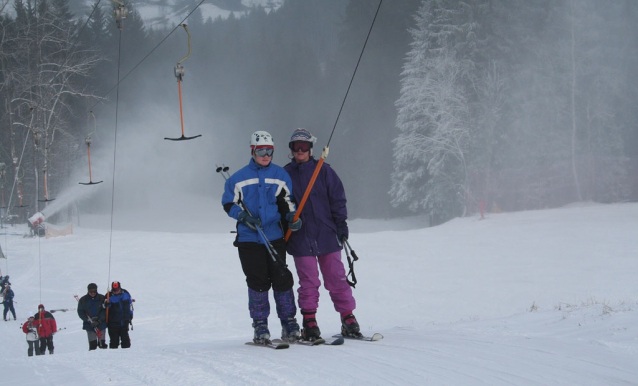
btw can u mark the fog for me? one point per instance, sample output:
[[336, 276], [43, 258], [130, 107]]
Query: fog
[[541, 125], [159, 182]]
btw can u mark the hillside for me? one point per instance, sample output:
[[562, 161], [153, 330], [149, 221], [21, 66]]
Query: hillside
[[538, 297]]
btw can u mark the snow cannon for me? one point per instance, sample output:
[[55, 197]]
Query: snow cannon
[[36, 219], [36, 224]]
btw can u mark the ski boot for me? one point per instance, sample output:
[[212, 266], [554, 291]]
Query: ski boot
[[310, 330], [349, 326], [290, 330], [262, 335]]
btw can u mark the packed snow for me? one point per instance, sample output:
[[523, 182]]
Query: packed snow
[[530, 298]]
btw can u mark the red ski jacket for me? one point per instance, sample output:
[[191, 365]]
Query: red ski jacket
[[46, 324]]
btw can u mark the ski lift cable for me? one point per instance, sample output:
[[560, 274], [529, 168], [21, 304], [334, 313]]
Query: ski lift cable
[[355, 72], [147, 55], [324, 153], [117, 103], [120, 14]]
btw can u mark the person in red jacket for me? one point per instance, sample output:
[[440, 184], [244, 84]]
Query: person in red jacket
[[32, 336], [46, 328]]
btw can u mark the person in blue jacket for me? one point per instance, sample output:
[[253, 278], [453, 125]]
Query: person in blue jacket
[[92, 312], [119, 315], [7, 301], [259, 196]]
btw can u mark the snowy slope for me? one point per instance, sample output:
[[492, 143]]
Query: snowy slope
[[530, 298]]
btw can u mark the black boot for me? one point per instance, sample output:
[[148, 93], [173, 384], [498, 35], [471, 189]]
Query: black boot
[[349, 326], [310, 329], [92, 345]]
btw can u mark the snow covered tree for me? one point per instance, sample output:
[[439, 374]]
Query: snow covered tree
[[431, 152], [48, 75]]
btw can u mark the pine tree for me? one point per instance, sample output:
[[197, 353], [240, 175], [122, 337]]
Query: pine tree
[[432, 151]]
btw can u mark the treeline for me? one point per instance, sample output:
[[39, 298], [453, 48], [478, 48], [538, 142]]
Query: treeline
[[517, 105]]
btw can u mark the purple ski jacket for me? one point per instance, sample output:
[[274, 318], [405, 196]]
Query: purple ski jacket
[[324, 210]]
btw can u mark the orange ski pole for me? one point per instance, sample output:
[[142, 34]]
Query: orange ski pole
[[108, 293], [324, 154]]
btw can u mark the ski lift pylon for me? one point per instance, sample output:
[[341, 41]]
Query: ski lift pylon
[[88, 141], [179, 74]]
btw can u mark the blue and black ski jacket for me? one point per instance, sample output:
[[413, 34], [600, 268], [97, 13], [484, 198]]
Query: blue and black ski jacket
[[267, 193]]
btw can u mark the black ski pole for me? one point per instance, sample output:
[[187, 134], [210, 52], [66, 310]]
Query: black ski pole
[[271, 249], [223, 169], [354, 255], [348, 249], [220, 170]]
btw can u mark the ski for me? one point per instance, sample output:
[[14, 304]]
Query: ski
[[335, 341], [300, 342], [59, 310], [269, 344], [329, 342], [372, 338]]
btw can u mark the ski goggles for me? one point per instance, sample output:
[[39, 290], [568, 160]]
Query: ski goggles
[[300, 145], [264, 151]]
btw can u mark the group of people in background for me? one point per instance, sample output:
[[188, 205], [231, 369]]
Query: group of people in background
[[112, 313], [260, 197], [98, 312], [40, 329]]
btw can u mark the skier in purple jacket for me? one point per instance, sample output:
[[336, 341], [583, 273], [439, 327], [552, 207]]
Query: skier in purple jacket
[[320, 239]]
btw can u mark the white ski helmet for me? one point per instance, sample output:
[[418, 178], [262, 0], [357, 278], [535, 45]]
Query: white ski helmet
[[261, 138]]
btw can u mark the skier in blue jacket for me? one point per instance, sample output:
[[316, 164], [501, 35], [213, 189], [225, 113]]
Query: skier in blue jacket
[[260, 196], [120, 315], [7, 300]]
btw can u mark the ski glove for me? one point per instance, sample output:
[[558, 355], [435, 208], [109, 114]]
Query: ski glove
[[94, 322], [293, 226], [342, 232], [248, 220]]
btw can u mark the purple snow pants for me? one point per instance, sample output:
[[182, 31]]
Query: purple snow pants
[[334, 277]]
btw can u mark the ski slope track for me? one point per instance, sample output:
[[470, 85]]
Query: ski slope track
[[531, 298]]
